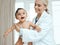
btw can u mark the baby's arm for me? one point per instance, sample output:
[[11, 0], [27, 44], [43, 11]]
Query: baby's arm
[[9, 30], [37, 28]]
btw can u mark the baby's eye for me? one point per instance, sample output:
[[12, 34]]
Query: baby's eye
[[23, 13], [19, 14], [39, 5]]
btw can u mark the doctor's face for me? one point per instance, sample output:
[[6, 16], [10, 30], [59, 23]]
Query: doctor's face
[[39, 7]]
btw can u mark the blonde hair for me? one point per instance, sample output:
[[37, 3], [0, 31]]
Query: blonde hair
[[45, 2]]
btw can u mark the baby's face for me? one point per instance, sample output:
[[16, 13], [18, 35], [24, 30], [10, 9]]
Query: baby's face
[[21, 15]]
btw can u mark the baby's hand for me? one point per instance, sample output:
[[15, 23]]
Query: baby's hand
[[5, 35]]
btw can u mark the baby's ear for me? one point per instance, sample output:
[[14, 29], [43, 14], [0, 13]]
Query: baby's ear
[[16, 18]]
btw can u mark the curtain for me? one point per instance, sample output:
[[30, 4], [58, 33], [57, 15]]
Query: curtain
[[7, 9]]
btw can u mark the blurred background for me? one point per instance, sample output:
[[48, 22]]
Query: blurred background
[[7, 18]]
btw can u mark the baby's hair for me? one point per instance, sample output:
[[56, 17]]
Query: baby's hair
[[18, 10]]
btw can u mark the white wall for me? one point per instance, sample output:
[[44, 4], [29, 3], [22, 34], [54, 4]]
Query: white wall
[[56, 20]]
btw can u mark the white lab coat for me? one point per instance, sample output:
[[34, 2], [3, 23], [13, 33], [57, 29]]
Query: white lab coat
[[45, 36]]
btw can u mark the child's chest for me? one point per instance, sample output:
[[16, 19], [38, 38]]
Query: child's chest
[[26, 25]]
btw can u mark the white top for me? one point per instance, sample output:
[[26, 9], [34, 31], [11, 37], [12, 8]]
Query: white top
[[45, 36]]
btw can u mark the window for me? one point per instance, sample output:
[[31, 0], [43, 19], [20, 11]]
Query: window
[[56, 20]]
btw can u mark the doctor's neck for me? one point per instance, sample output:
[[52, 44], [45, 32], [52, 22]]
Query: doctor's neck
[[39, 15]]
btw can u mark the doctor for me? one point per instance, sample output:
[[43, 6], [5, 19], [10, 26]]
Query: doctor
[[44, 20]]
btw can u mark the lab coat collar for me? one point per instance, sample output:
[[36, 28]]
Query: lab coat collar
[[42, 16]]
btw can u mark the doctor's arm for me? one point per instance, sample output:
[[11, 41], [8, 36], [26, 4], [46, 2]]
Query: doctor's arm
[[35, 27]]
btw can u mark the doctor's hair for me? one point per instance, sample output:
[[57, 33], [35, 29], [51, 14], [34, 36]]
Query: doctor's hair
[[18, 10], [45, 2], [46, 8]]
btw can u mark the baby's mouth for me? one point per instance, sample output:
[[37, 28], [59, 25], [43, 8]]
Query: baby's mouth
[[22, 17]]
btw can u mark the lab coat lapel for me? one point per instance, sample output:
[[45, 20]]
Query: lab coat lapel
[[41, 18]]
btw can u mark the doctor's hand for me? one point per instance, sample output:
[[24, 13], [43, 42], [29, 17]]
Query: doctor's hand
[[38, 29]]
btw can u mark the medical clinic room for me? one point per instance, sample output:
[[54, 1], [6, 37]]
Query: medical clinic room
[[29, 22]]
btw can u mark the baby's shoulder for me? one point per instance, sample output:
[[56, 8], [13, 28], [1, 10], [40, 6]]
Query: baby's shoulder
[[15, 24]]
